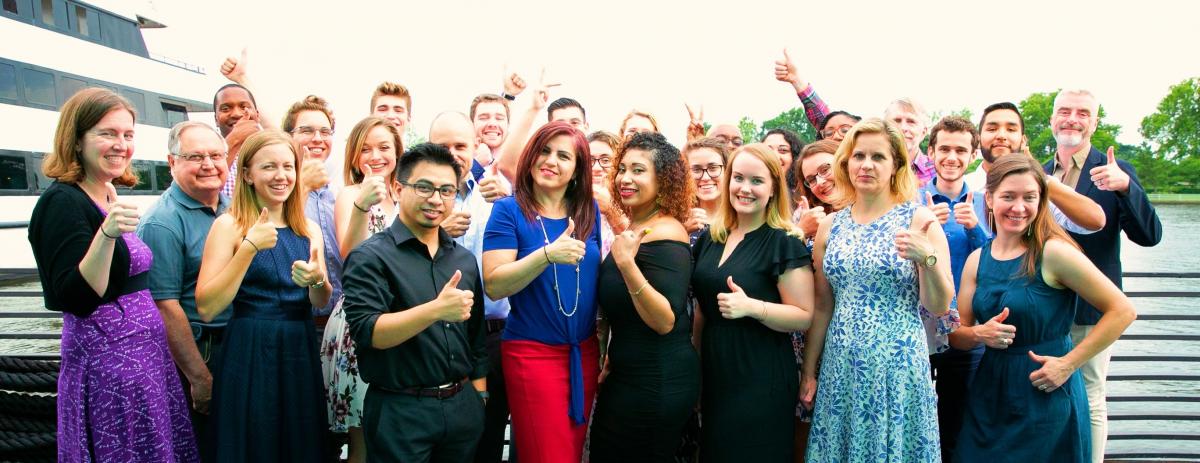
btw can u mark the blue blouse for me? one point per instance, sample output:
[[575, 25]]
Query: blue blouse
[[539, 313]]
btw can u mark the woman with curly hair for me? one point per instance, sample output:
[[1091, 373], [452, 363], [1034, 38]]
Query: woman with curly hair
[[651, 379]]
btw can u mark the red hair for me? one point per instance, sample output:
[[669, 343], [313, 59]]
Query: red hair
[[580, 205]]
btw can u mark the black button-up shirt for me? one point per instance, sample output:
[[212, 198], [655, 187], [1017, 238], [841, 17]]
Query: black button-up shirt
[[391, 272]]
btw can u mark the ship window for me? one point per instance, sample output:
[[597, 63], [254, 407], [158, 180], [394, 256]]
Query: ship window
[[11, 6], [42, 180], [39, 87], [81, 20], [174, 114], [145, 173], [8, 82], [69, 86], [162, 175], [12, 173], [48, 12]]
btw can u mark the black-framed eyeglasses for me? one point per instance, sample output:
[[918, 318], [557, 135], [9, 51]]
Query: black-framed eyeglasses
[[604, 161], [841, 129], [426, 190], [713, 170], [307, 131], [825, 172], [197, 158]]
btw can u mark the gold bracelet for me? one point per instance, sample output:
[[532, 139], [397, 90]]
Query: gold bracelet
[[639, 291]]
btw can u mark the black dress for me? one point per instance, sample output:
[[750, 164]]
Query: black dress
[[749, 370], [654, 380]]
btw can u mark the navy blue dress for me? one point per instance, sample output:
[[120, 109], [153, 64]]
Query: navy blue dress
[[268, 402], [1008, 419]]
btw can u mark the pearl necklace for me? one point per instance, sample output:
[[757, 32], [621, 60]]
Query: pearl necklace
[[554, 268]]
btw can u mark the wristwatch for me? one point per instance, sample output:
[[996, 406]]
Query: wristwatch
[[930, 261], [508, 97], [318, 284]]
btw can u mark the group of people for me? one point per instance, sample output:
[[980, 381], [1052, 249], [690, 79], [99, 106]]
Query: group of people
[[856, 298]]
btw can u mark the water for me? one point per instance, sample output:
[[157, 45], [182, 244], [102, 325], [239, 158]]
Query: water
[[1179, 251]]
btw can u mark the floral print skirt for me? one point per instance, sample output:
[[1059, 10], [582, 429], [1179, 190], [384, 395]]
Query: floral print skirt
[[344, 389]]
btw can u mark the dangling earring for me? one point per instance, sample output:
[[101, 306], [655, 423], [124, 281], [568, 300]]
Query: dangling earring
[[1029, 230], [571, 184]]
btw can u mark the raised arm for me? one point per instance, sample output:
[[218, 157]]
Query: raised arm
[[520, 128], [227, 256], [237, 71], [814, 108], [1077, 208]]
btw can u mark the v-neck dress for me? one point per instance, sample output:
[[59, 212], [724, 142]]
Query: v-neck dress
[[750, 386]]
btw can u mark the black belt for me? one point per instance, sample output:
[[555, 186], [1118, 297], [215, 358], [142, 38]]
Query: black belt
[[441, 392], [135, 283], [495, 325]]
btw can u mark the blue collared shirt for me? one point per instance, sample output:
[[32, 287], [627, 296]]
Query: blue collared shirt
[[471, 200], [319, 209], [175, 228], [961, 240]]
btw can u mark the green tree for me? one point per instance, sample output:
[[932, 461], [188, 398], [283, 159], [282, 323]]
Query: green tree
[[1036, 110], [749, 129], [795, 120], [1174, 129]]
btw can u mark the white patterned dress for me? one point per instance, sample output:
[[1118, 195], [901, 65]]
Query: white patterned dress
[[344, 388], [875, 400]]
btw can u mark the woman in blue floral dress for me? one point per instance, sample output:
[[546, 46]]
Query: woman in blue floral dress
[[878, 258]]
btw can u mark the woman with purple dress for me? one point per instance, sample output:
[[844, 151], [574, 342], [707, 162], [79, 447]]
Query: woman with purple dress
[[119, 396]]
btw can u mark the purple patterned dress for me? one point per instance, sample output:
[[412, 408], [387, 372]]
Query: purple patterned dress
[[119, 397]]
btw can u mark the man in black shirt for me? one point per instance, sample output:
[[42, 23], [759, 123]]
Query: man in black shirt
[[420, 339]]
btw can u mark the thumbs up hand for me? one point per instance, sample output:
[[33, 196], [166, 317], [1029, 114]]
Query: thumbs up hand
[[786, 71], [263, 234], [964, 212], [307, 274], [1054, 372], [457, 223], [914, 246], [1110, 177], [736, 304], [808, 218], [491, 187], [565, 249], [941, 210], [122, 217], [370, 192], [234, 69], [513, 83], [995, 333], [625, 246], [453, 305]]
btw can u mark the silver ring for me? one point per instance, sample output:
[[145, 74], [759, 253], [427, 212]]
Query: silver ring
[[1043, 387]]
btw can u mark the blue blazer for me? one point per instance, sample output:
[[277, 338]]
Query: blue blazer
[[1130, 212]]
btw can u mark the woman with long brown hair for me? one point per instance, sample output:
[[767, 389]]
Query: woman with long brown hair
[[542, 251], [1027, 400]]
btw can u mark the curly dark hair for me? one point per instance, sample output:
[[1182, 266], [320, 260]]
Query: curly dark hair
[[676, 190], [795, 144]]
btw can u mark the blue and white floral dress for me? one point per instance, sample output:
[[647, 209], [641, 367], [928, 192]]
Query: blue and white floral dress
[[875, 400]]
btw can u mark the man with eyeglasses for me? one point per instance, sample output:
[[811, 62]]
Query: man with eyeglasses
[[730, 134], [465, 224], [175, 229], [415, 308]]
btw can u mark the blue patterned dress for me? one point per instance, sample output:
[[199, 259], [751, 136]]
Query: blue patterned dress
[[875, 400]]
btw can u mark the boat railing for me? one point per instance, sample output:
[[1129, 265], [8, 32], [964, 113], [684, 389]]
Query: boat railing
[[177, 63], [1158, 412]]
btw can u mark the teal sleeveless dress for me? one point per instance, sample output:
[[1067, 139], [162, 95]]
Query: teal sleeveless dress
[[1007, 418]]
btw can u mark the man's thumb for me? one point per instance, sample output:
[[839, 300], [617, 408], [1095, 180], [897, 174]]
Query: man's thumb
[[312, 255], [732, 286], [785, 54], [928, 199], [453, 283], [925, 229], [804, 203], [1112, 158], [971, 197]]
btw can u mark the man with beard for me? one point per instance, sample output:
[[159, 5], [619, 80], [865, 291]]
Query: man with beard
[[1114, 186], [1001, 132]]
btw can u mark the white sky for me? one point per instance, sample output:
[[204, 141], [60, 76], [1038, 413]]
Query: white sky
[[655, 56]]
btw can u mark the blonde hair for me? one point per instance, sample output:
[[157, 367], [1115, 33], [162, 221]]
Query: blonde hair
[[904, 181], [245, 207], [79, 114], [637, 113], [779, 208]]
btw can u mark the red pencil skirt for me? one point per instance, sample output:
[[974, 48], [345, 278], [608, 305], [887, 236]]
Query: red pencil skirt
[[537, 378]]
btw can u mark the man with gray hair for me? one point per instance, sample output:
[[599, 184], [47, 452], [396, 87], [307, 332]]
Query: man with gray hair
[[175, 229], [1114, 185], [912, 120]]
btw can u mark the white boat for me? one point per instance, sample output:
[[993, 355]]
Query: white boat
[[53, 48]]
